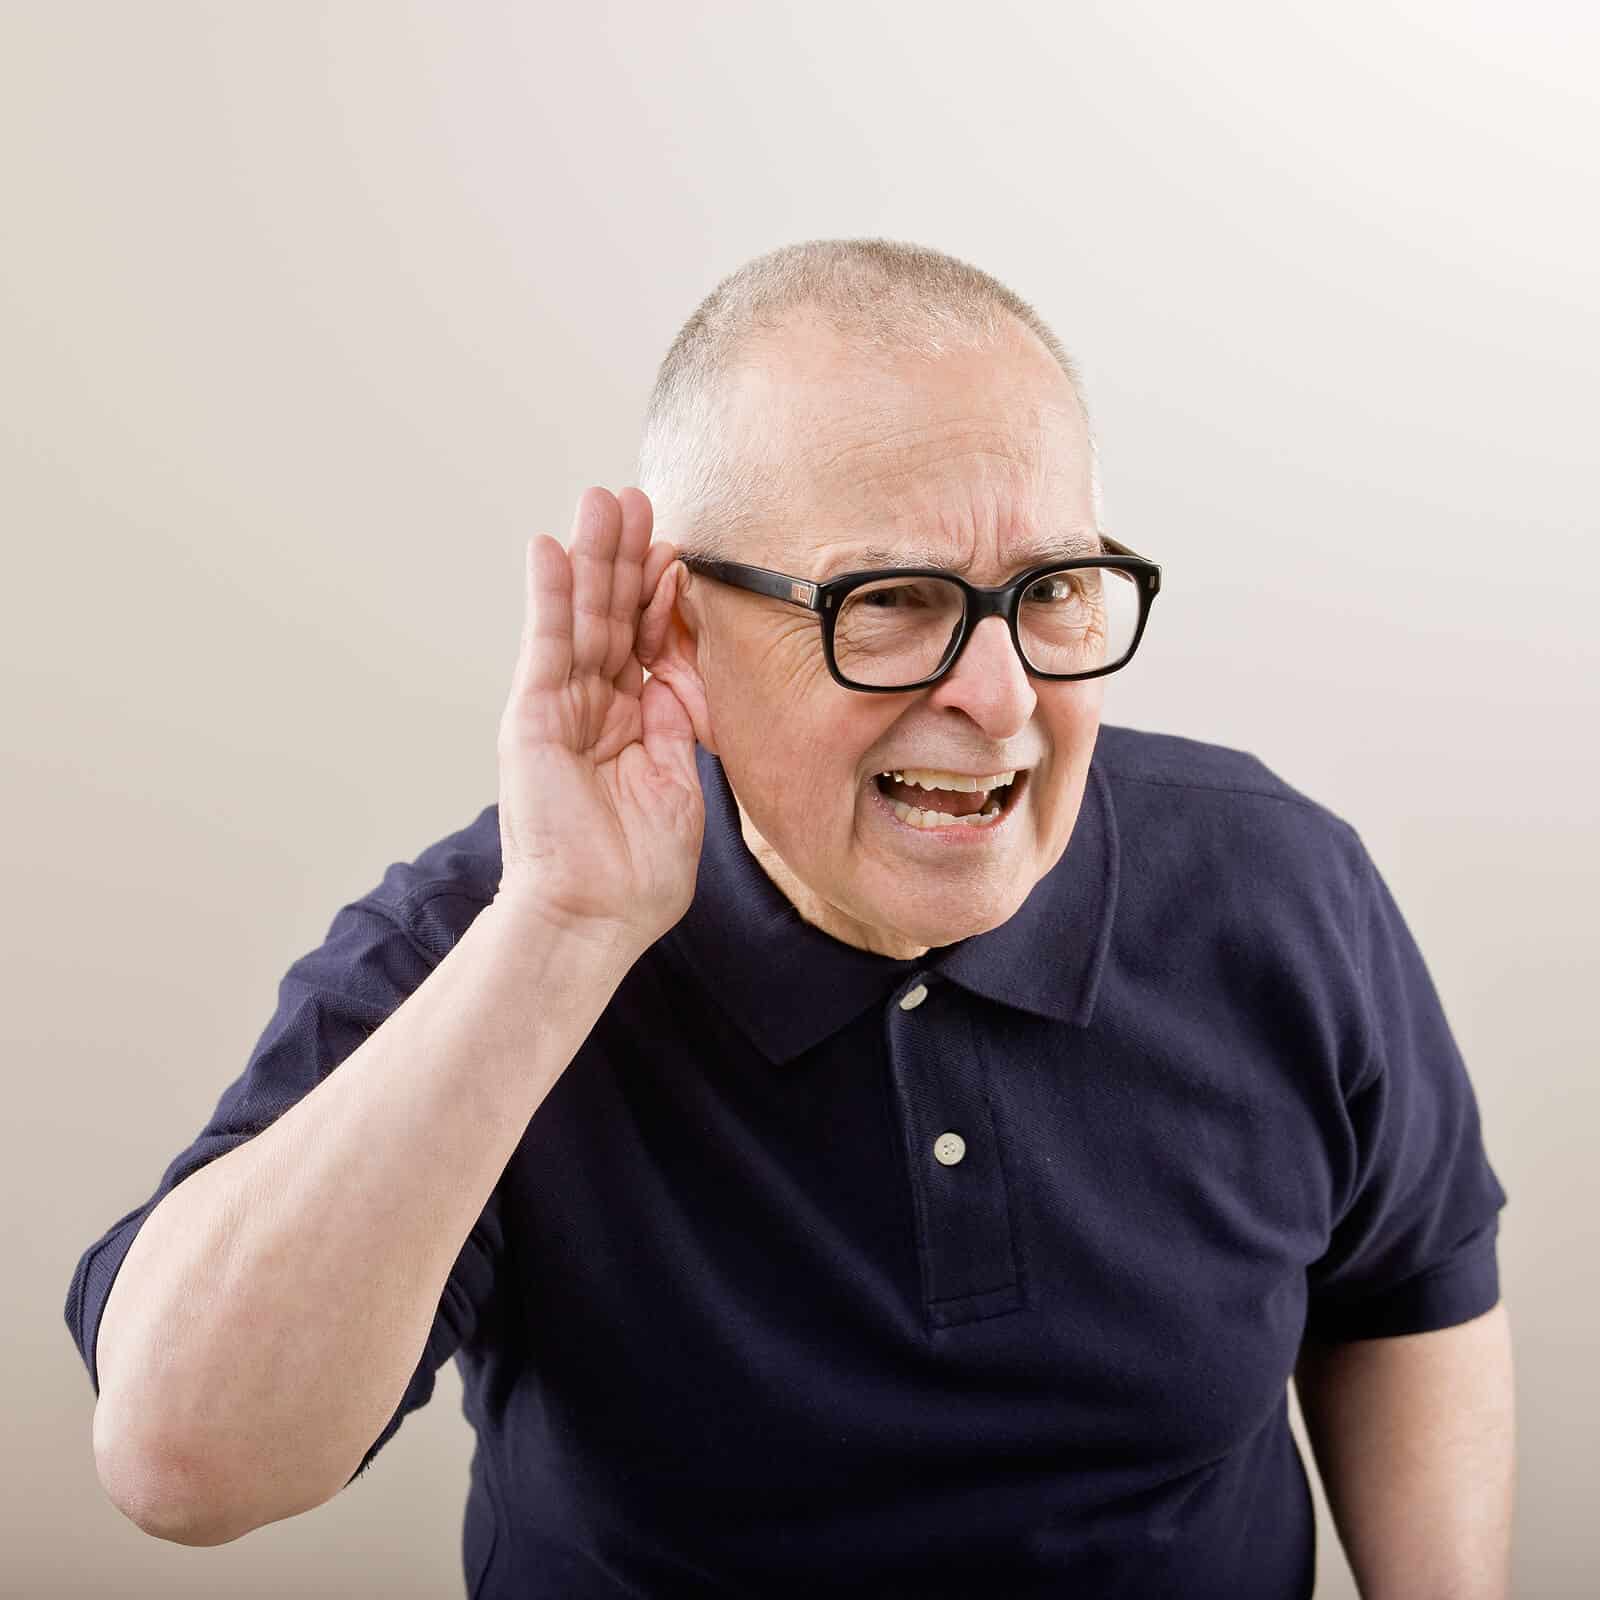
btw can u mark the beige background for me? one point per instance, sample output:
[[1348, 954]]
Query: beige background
[[312, 313]]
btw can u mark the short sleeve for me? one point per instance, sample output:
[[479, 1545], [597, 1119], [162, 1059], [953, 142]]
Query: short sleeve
[[329, 1001], [1414, 1245]]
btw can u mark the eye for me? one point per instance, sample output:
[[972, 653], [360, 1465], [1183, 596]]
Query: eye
[[1057, 586], [900, 596]]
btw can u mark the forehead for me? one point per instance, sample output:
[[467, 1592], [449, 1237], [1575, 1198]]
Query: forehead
[[878, 459], [833, 558]]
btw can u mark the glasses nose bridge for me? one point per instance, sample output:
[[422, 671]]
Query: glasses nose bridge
[[982, 604]]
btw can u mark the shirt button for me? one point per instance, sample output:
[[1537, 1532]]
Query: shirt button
[[913, 998], [949, 1148]]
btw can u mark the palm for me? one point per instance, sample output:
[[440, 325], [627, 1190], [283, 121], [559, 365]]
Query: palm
[[593, 715]]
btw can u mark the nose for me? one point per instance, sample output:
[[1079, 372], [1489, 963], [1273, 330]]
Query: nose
[[989, 682]]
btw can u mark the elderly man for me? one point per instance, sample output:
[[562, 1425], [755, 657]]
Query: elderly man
[[860, 1125]]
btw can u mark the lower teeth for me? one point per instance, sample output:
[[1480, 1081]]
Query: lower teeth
[[943, 819]]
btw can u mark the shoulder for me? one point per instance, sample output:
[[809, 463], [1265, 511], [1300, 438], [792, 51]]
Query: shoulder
[[434, 896], [1134, 755], [1199, 817], [1209, 777]]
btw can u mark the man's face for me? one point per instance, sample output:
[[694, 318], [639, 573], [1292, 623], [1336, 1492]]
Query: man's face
[[980, 463]]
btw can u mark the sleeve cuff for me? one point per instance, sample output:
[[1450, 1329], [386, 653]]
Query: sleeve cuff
[[1456, 1291]]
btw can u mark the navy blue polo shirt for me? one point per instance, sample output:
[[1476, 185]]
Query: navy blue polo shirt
[[980, 1274]]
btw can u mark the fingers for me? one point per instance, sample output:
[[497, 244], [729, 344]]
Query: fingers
[[611, 536], [650, 621], [615, 570], [596, 535], [627, 584], [630, 681], [657, 559], [658, 612], [546, 656]]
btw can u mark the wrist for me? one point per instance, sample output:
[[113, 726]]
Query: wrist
[[531, 924]]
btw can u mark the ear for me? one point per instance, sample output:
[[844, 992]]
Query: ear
[[668, 647]]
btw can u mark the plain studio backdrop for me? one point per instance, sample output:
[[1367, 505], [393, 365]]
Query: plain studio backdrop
[[313, 313]]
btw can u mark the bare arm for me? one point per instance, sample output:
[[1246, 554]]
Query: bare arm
[[272, 1308], [1414, 1439], [274, 1305]]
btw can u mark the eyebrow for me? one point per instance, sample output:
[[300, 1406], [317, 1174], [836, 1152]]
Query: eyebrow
[[863, 557]]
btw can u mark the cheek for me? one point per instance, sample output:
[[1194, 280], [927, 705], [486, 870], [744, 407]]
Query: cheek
[[1070, 713], [1071, 718], [757, 686], [773, 676], [808, 765]]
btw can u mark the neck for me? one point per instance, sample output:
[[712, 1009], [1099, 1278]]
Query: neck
[[817, 911]]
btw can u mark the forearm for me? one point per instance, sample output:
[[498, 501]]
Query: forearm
[[273, 1306], [1414, 1439]]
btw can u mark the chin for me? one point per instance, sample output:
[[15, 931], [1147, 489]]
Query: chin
[[940, 925]]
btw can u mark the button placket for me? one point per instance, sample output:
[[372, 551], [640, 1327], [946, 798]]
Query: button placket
[[959, 1202]]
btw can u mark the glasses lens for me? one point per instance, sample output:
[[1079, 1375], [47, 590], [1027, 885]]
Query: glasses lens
[[1079, 619], [897, 630]]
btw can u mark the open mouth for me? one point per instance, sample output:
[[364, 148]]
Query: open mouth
[[923, 798]]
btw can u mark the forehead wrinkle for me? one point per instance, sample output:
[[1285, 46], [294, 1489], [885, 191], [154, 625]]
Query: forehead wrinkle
[[913, 552], [893, 448], [1015, 468], [946, 532], [899, 445], [975, 453], [877, 437], [952, 482]]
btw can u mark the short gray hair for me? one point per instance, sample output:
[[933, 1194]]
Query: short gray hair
[[878, 294]]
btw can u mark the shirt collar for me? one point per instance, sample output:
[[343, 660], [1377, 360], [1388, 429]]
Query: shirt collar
[[788, 985]]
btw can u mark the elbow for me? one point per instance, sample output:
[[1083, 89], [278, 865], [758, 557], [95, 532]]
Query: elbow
[[161, 1491]]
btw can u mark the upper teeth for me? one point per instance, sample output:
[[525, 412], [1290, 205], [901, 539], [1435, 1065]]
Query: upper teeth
[[925, 778]]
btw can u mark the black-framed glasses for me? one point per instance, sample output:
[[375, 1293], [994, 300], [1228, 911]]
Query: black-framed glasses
[[899, 628]]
